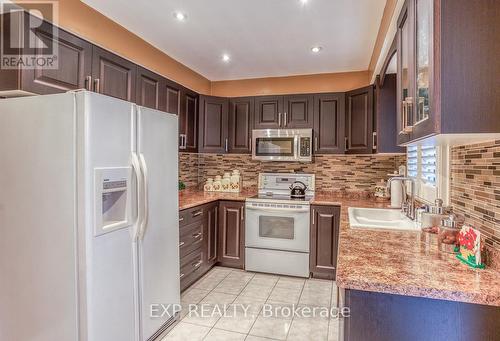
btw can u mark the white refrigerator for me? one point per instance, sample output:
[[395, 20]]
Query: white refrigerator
[[88, 219]]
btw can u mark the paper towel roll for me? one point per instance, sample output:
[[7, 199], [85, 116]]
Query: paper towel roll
[[396, 194]]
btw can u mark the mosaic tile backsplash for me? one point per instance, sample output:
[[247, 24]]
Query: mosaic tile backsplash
[[475, 187], [333, 172]]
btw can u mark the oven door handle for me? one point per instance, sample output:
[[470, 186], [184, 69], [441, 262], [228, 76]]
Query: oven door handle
[[279, 209]]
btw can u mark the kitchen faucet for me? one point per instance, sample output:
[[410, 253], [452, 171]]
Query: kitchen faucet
[[408, 207]]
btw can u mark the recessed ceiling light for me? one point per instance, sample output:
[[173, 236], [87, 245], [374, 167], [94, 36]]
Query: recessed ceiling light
[[316, 49], [180, 16], [303, 2], [226, 58]]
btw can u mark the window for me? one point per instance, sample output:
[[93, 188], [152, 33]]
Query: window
[[428, 165]]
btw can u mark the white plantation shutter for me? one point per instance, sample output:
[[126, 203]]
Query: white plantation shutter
[[412, 161], [428, 166]]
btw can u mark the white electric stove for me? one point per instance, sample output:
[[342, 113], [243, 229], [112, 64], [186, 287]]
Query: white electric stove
[[277, 226]]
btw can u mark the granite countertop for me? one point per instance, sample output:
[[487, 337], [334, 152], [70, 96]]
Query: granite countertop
[[400, 263], [191, 197], [389, 261]]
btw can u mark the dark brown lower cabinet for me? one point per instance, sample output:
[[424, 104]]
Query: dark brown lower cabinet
[[211, 232], [231, 247], [377, 316], [192, 236], [324, 239]]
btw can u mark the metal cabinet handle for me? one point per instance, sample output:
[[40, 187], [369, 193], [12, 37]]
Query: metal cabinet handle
[[182, 275], [407, 103], [181, 244], [250, 144], [279, 119], [195, 214], [197, 264], [88, 83], [316, 144], [96, 85], [286, 119], [226, 145], [314, 217], [181, 219], [242, 213], [197, 235], [374, 140]]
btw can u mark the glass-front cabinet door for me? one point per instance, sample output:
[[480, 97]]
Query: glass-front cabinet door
[[423, 52], [405, 73]]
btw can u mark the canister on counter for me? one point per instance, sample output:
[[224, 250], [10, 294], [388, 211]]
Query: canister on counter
[[448, 234]]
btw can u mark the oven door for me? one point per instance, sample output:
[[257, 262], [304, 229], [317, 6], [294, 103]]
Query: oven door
[[275, 148], [272, 226]]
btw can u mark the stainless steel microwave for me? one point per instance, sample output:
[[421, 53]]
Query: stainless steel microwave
[[282, 145]]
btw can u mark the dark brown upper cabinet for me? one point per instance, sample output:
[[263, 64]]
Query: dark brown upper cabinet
[[231, 249], [74, 61], [359, 121], [329, 126], [324, 240], [291, 111], [241, 111], [112, 75], [213, 125], [405, 73], [150, 89], [298, 111], [268, 112], [172, 98], [445, 60], [188, 121], [386, 114]]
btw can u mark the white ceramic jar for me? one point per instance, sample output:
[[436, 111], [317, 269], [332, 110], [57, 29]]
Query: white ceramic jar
[[235, 181], [217, 184], [209, 185], [226, 181]]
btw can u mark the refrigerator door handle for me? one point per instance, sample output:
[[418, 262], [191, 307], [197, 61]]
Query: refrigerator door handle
[[145, 202], [138, 178]]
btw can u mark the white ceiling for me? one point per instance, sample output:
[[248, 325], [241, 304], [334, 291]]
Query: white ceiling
[[264, 38]]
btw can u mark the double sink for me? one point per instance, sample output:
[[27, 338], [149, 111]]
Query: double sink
[[380, 218]]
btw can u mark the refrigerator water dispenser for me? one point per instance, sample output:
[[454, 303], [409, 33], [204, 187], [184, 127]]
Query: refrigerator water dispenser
[[112, 198]]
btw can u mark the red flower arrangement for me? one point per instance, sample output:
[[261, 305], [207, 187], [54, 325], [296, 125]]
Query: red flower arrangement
[[467, 239]]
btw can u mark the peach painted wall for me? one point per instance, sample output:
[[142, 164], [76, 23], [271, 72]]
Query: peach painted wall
[[389, 8], [84, 21], [327, 82]]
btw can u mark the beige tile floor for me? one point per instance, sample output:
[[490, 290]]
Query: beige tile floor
[[230, 287]]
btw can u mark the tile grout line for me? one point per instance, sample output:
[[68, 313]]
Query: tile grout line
[[216, 304], [266, 301], [293, 315]]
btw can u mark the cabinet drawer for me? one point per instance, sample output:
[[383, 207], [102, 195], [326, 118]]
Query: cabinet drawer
[[191, 267], [183, 218], [191, 238], [191, 215]]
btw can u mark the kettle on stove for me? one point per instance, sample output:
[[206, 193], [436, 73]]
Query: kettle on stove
[[298, 189]]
